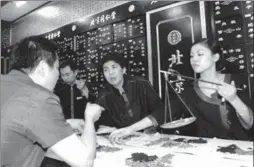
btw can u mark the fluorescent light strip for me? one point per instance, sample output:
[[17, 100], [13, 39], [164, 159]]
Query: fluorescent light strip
[[48, 11], [20, 3]]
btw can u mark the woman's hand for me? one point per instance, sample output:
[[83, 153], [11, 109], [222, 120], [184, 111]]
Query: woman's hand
[[227, 91]]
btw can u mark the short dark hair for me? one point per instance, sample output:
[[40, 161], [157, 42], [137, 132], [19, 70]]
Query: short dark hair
[[215, 48], [68, 62], [31, 51], [113, 56]]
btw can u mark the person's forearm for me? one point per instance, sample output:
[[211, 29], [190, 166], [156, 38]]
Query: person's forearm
[[88, 137], [142, 124], [245, 114]]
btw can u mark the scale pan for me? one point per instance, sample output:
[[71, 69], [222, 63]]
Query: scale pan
[[178, 123]]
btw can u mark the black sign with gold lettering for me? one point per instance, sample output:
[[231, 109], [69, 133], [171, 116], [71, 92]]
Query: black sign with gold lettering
[[227, 8], [230, 30]]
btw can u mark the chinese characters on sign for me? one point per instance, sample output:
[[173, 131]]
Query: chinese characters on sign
[[175, 59], [53, 35], [103, 18], [178, 84]]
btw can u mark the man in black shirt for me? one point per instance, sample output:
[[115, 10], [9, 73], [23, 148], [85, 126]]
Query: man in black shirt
[[131, 103], [73, 93]]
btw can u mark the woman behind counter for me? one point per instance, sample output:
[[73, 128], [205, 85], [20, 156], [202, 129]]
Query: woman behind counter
[[222, 111]]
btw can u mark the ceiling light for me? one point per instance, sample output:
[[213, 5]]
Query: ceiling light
[[20, 3], [83, 19], [48, 11]]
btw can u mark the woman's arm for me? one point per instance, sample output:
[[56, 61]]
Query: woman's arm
[[245, 114]]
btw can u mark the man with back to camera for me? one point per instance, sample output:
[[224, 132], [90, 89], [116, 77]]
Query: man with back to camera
[[73, 93], [31, 116]]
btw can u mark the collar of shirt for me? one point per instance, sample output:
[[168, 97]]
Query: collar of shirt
[[126, 80], [22, 77]]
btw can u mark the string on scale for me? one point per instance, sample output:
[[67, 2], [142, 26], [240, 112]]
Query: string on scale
[[177, 123]]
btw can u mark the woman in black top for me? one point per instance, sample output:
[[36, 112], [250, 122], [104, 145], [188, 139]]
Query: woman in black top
[[221, 110]]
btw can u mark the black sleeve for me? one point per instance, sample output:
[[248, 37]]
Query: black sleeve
[[91, 95], [240, 82], [59, 87], [243, 94], [157, 107], [61, 91], [155, 104], [106, 118]]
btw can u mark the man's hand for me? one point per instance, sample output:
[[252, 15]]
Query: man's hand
[[80, 84], [117, 135], [76, 124], [93, 112], [82, 87], [105, 129]]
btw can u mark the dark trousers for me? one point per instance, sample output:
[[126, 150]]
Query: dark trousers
[[49, 162]]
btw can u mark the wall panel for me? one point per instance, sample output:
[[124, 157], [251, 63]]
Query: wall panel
[[67, 12]]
